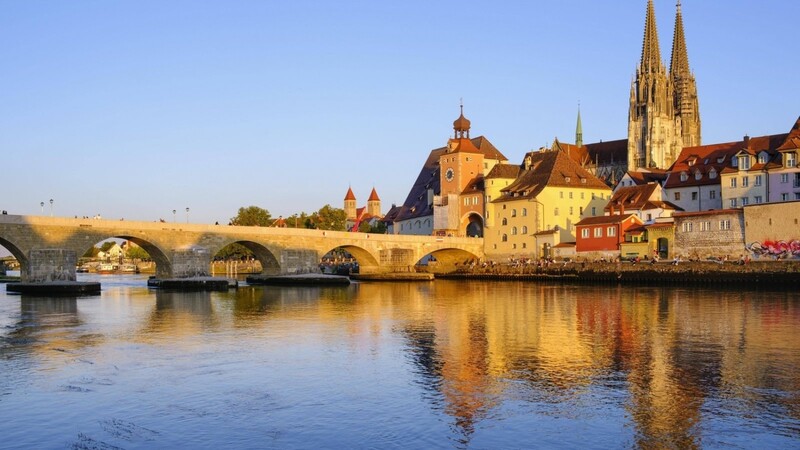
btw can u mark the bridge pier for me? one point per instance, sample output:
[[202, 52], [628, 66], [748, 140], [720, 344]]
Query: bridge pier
[[51, 271], [190, 262]]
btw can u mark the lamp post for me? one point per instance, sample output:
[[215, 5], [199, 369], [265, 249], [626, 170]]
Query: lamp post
[[174, 217], [51, 207], [42, 205], [187, 214]]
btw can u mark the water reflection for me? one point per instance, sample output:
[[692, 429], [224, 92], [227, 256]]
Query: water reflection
[[498, 365]]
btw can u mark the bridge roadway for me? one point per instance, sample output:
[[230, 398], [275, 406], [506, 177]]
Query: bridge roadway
[[48, 248]]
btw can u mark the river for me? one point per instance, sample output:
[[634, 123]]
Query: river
[[443, 364]]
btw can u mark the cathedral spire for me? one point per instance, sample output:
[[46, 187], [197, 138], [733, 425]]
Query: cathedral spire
[[679, 64], [651, 53], [579, 129]]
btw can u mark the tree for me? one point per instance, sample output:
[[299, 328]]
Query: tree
[[107, 245], [92, 252], [364, 227], [330, 218], [136, 252], [252, 216], [378, 228]]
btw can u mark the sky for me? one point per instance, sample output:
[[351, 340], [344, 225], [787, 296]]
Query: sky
[[133, 109]]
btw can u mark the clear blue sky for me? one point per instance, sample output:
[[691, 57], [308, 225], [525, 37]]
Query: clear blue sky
[[135, 108]]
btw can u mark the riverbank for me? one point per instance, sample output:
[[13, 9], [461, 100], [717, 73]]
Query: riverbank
[[761, 273]]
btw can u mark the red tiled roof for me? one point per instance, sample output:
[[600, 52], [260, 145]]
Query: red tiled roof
[[373, 196], [793, 140], [504, 171], [601, 220], [549, 168], [600, 153], [650, 176], [633, 197], [349, 195], [564, 245]]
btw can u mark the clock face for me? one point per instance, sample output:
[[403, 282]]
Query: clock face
[[449, 174]]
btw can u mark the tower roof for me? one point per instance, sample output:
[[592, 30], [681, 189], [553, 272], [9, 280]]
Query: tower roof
[[373, 196], [651, 53], [679, 64], [349, 195], [462, 123]]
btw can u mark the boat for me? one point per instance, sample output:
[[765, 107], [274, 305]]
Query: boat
[[106, 268], [129, 268]]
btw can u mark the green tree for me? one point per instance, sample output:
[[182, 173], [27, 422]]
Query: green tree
[[378, 228], [234, 251], [136, 252], [92, 252], [107, 245], [252, 216], [330, 218]]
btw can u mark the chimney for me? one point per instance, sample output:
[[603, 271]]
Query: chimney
[[621, 208], [610, 209], [746, 141]]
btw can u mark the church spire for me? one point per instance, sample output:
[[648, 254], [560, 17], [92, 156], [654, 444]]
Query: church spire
[[579, 130], [679, 64], [651, 53]]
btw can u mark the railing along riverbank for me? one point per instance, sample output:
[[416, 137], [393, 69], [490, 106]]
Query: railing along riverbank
[[760, 273]]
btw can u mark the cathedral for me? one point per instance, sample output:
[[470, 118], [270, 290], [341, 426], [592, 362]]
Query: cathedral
[[664, 115]]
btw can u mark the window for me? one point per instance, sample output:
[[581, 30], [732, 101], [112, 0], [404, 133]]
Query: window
[[594, 211], [570, 195], [580, 210], [762, 158], [686, 227], [784, 178], [734, 162], [712, 194], [505, 238], [745, 201], [745, 181], [677, 196], [758, 199], [524, 245], [585, 233], [733, 203], [791, 160], [712, 173], [524, 229], [649, 217], [594, 196], [725, 224], [684, 176], [797, 195], [513, 213], [474, 200], [694, 196], [705, 226], [513, 231], [583, 192], [524, 212], [744, 163], [466, 201], [505, 221], [757, 181], [698, 175], [555, 212], [571, 210], [611, 231], [784, 197], [733, 182], [598, 232], [561, 194]]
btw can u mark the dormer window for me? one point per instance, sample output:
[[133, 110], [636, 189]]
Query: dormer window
[[720, 160], [791, 159], [712, 173], [691, 162], [698, 175], [684, 176], [566, 179], [744, 162], [734, 162], [583, 180], [762, 157]]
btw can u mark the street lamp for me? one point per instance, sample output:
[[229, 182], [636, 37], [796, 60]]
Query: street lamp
[[174, 218], [42, 205], [51, 207], [187, 215]]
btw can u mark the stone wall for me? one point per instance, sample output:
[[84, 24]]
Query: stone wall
[[48, 265], [694, 240], [192, 262], [772, 230]]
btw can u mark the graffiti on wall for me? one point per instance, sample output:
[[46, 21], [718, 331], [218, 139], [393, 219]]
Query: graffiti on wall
[[776, 249]]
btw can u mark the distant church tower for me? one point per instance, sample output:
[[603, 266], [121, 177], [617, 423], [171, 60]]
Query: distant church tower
[[350, 204], [374, 204], [664, 115]]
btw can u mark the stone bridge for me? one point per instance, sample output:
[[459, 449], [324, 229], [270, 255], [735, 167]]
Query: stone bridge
[[48, 248]]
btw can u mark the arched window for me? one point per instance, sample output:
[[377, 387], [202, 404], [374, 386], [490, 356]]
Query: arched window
[[524, 212], [513, 231], [514, 213], [524, 229], [555, 212], [505, 238], [505, 221]]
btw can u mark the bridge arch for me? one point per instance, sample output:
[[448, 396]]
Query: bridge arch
[[447, 259], [367, 262], [163, 263], [17, 253], [270, 265], [472, 224]]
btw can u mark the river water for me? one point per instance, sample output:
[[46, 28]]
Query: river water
[[392, 365]]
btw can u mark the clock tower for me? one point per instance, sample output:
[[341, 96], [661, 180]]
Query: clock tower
[[461, 162]]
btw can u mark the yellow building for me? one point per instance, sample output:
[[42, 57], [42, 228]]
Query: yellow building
[[539, 208]]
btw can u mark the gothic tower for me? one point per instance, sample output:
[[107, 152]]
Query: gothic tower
[[579, 130], [350, 204], [374, 204], [664, 115], [651, 114], [687, 109]]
